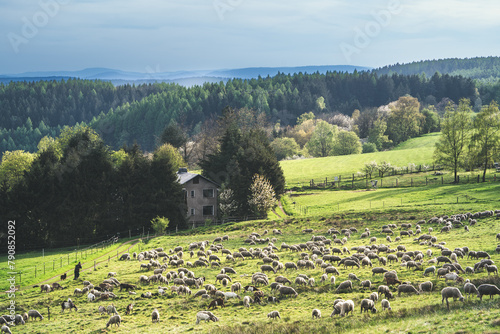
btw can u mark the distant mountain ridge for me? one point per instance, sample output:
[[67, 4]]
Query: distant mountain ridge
[[187, 78]]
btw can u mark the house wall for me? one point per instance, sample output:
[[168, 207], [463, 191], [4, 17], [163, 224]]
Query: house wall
[[199, 201]]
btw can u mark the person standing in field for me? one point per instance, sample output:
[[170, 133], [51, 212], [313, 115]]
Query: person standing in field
[[77, 270]]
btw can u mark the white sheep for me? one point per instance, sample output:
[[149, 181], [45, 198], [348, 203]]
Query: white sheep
[[470, 288], [316, 313], [155, 316], [451, 292], [231, 295], [90, 297], [385, 304], [246, 301], [347, 306], [6, 329], [205, 315], [274, 315]]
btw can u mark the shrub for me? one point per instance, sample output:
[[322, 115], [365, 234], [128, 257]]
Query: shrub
[[369, 148]]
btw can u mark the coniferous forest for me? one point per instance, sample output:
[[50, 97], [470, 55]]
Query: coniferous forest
[[138, 114]]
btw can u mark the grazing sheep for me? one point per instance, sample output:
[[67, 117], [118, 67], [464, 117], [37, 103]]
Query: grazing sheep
[[272, 299], [425, 286], [491, 269], [353, 277], [470, 288], [300, 281], [368, 304], [379, 270], [366, 284], [6, 329], [347, 306], [90, 297], [487, 289], [111, 309], [450, 276], [273, 315], [114, 320], [231, 295], [316, 313], [407, 288], [374, 296], [451, 292], [430, 270], [205, 315], [346, 285], [19, 319], [385, 304], [216, 302], [68, 305], [286, 290], [155, 316], [247, 300], [311, 282]]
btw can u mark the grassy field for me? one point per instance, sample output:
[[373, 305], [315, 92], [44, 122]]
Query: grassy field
[[417, 150], [414, 313], [320, 210], [463, 197]]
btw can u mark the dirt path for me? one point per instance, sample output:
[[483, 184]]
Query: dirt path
[[69, 272]]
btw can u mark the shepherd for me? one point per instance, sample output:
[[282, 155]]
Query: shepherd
[[77, 270]]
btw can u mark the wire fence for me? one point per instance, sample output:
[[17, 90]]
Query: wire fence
[[416, 178]]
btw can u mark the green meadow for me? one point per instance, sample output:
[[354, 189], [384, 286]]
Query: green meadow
[[316, 209]]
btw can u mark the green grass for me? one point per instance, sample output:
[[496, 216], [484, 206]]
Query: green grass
[[419, 313], [34, 268], [480, 196], [425, 141], [300, 172]]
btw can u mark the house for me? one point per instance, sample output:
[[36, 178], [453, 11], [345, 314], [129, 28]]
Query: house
[[200, 195]]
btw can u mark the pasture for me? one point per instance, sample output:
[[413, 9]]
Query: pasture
[[415, 313], [417, 150]]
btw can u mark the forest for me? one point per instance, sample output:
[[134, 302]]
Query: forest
[[138, 114]]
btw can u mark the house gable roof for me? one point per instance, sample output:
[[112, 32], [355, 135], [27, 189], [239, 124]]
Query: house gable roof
[[184, 177]]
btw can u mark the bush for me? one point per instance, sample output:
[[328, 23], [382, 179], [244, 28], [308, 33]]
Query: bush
[[369, 148], [160, 224]]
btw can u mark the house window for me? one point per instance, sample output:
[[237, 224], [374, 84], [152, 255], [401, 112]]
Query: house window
[[192, 212], [196, 180], [208, 210], [192, 193], [208, 193]]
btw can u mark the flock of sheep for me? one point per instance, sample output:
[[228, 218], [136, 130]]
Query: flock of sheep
[[172, 271]]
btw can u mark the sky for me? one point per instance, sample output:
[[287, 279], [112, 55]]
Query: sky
[[165, 35]]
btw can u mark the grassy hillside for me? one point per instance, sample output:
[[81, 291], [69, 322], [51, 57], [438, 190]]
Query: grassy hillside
[[410, 313], [417, 151]]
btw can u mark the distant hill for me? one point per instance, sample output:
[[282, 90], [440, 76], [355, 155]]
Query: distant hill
[[184, 78], [486, 69]]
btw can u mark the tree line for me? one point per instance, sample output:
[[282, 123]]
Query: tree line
[[128, 114], [75, 189]]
